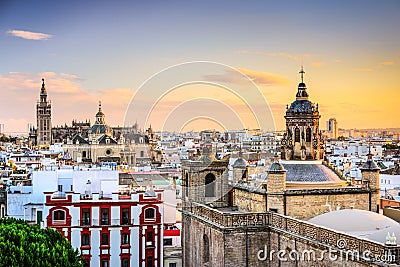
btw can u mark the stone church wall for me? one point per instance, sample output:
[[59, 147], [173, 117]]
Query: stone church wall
[[307, 206], [249, 201]]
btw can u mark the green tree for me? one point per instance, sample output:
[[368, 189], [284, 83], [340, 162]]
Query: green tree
[[4, 138], [22, 244]]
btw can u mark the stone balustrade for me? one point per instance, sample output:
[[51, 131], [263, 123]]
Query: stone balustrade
[[318, 235]]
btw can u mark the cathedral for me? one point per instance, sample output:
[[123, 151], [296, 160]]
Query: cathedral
[[92, 143], [238, 224]]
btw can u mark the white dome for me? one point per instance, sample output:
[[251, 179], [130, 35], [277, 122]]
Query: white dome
[[361, 223]]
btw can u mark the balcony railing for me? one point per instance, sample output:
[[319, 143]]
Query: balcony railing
[[96, 222], [292, 226], [58, 195]]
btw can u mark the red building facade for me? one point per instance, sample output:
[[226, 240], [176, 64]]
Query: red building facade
[[114, 230]]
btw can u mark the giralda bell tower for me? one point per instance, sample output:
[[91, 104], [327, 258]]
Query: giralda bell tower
[[43, 118]]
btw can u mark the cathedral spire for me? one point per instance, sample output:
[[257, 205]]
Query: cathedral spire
[[100, 115], [43, 92]]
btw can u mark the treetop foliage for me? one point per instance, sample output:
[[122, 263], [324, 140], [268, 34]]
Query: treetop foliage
[[22, 244]]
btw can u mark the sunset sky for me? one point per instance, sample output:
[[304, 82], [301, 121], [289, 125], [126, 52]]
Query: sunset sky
[[108, 51]]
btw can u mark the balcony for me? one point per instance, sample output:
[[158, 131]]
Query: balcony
[[126, 221], [59, 195], [96, 222], [150, 244], [84, 222]]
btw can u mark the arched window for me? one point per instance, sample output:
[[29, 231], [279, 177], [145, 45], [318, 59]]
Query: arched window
[[244, 175], [308, 134], [59, 215], [297, 135], [150, 213], [209, 185], [206, 249]]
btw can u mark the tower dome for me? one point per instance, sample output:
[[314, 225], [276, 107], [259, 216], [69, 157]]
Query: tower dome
[[100, 127], [302, 139]]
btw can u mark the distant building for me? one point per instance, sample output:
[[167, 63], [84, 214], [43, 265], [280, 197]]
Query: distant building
[[43, 118], [93, 143], [332, 128]]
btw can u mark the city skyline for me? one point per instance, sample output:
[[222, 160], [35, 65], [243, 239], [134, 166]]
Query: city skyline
[[350, 52]]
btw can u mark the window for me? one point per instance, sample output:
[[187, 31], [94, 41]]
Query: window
[[85, 240], [244, 175], [83, 154], [124, 262], [104, 263], [149, 262], [85, 216], [104, 239], [60, 188], [125, 216], [125, 239], [297, 135], [172, 264], [104, 217], [149, 213], [308, 134], [59, 215], [149, 237], [142, 154], [210, 185], [39, 216], [167, 241], [206, 247]]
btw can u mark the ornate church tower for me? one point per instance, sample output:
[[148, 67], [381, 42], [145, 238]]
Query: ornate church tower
[[43, 118], [302, 139]]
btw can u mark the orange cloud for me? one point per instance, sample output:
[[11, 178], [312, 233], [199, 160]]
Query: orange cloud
[[37, 36], [387, 63], [260, 78], [317, 63], [290, 56]]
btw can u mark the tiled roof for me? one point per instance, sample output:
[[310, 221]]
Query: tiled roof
[[309, 173]]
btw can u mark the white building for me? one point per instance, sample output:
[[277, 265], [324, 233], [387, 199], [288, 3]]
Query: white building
[[109, 227]]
